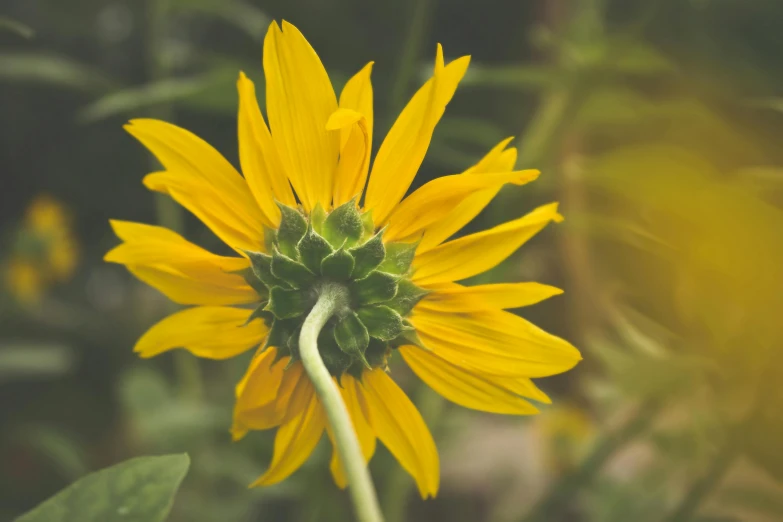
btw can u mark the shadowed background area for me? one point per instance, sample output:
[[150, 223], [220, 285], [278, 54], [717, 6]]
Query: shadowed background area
[[655, 123]]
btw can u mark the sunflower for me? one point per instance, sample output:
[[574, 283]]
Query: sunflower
[[301, 220]]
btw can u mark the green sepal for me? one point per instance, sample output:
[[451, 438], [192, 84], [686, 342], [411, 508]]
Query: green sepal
[[281, 332], [399, 257], [407, 337], [368, 226], [378, 287], [377, 353], [282, 351], [368, 255], [313, 249], [408, 295], [381, 322], [317, 218], [285, 304], [291, 271], [338, 265], [352, 336], [270, 238], [335, 360], [261, 313], [262, 268], [253, 281], [343, 225], [292, 228]]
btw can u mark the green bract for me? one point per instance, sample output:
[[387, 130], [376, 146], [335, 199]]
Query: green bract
[[341, 247]]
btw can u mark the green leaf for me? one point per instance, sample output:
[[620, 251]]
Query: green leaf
[[377, 287], [368, 256], [293, 227], [352, 336], [313, 249], [516, 77], [29, 360], [136, 98], [54, 70], [381, 322], [343, 225], [338, 265], [286, 304], [399, 257], [6, 24], [137, 490], [408, 295], [262, 268], [246, 17], [290, 271]]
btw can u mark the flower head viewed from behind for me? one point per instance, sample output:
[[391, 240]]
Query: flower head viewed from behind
[[301, 221]]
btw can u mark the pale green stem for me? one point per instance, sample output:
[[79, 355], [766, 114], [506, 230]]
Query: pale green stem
[[331, 299]]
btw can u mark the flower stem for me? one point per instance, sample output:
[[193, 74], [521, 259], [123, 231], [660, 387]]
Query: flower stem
[[331, 299]]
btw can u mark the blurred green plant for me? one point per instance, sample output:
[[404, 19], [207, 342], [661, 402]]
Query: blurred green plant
[[138, 490]]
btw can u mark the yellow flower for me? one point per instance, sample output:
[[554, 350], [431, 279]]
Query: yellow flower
[[24, 281], [295, 222]]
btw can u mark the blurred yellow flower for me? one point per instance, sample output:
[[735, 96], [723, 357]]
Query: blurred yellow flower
[[24, 281], [295, 220], [45, 251]]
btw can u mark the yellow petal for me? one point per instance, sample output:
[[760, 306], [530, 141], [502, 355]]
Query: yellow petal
[[351, 173], [464, 387], [266, 405], [184, 153], [403, 150], [494, 342], [477, 253], [399, 425], [297, 437], [258, 156], [212, 332], [221, 216], [364, 432], [436, 199], [462, 299], [355, 136], [499, 159], [184, 272], [299, 101]]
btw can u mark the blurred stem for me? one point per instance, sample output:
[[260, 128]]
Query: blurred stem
[[331, 299], [400, 486], [169, 214], [422, 11], [544, 129], [558, 494], [700, 489]]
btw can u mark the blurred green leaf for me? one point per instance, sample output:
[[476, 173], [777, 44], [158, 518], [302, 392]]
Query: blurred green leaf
[[761, 500], [58, 447], [6, 24], [244, 16], [137, 490], [635, 57], [134, 99], [53, 70], [24, 360], [162, 419], [516, 77], [765, 432]]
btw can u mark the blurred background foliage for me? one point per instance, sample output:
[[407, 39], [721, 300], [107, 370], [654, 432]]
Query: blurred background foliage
[[656, 123]]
